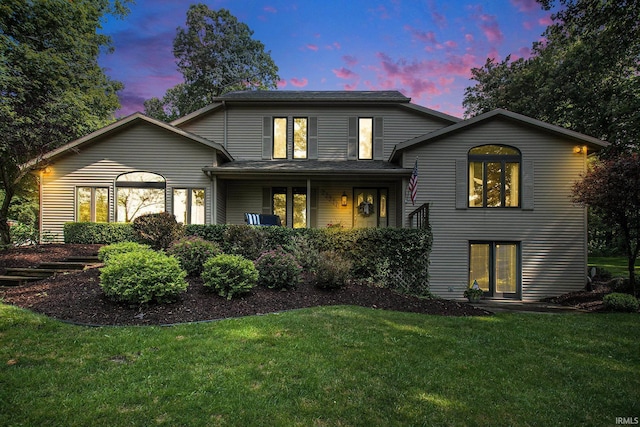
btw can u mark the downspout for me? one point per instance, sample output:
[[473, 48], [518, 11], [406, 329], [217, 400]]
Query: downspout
[[214, 184], [224, 137]]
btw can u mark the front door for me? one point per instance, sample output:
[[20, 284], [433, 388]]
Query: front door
[[369, 207]]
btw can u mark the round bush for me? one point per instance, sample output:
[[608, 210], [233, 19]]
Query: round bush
[[278, 270], [140, 277], [229, 275], [192, 252], [105, 253], [621, 302], [157, 230], [333, 270]]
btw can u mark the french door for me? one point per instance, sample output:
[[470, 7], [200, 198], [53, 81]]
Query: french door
[[495, 266]]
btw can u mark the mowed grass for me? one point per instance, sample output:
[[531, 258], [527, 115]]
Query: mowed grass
[[618, 266], [329, 366]]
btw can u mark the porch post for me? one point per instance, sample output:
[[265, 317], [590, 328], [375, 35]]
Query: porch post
[[214, 201], [308, 203]]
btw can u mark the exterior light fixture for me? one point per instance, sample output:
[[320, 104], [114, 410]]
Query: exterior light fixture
[[344, 199], [578, 150]]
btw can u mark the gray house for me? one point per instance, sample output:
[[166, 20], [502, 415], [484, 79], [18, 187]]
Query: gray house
[[495, 188]]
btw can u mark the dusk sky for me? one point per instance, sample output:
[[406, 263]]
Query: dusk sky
[[425, 49]]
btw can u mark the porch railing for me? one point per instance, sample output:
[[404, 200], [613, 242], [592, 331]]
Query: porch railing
[[421, 215]]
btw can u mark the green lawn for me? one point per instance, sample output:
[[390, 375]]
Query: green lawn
[[330, 366], [618, 266]]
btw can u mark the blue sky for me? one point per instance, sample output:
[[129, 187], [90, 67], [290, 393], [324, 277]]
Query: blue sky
[[425, 49]]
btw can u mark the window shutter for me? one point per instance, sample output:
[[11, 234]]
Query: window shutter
[[266, 200], [462, 197], [312, 141], [378, 138], [528, 173], [267, 140], [352, 139]]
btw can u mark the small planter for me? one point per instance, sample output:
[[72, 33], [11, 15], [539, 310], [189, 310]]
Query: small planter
[[474, 293]]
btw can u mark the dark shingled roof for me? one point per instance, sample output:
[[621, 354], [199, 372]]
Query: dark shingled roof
[[315, 96], [309, 167]]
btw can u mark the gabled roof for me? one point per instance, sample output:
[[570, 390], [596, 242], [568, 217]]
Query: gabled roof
[[593, 143], [119, 126], [314, 96]]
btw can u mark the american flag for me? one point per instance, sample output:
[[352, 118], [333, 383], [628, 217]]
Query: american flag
[[413, 183]]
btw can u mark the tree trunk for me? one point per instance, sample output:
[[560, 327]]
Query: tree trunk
[[5, 238]]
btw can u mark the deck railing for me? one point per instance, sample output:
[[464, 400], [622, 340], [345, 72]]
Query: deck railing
[[421, 215]]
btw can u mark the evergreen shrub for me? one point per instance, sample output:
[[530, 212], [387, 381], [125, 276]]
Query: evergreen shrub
[[333, 271], [98, 232], [141, 277], [192, 252], [229, 275], [157, 230], [107, 252], [621, 302], [278, 270]]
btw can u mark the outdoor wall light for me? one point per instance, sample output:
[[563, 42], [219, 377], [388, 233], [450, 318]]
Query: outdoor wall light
[[578, 150], [344, 199]]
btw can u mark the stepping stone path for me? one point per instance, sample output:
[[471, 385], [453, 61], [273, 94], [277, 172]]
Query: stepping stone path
[[21, 276]]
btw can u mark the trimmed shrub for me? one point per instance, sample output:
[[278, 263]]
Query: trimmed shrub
[[106, 253], [621, 302], [157, 230], [192, 252], [141, 277], [278, 270], [229, 275], [333, 271], [98, 232], [245, 240], [210, 232]]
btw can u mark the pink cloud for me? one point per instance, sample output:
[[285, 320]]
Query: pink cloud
[[312, 47], [427, 37], [546, 21], [491, 29], [352, 86], [351, 61], [451, 44], [282, 84], [299, 82], [468, 37], [337, 45], [525, 5], [344, 73], [270, 9], [528, 25]]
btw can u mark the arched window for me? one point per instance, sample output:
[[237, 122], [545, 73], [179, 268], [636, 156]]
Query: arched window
[[494, 176], [139, 193]]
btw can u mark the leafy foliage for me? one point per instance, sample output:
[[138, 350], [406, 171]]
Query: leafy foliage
[[278, 270], [192, 252], [621, 302], [52, 88], [216, 54], [245, 240], [140, 277], [586, 74], [98, 232], [157, 230], [612, 189], [106, 253], [229, 275], [333, 271]]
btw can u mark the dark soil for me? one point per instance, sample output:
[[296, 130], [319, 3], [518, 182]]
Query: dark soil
[[77, 297]]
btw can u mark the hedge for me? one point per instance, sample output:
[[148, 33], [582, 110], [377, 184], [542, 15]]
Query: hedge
[[98, 232]]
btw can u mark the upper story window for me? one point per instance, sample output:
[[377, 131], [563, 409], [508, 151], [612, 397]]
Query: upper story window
[[494, 176], [280, 138], [300, 133], [139, 193], [365, 138]]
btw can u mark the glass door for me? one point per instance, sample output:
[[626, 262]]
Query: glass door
[[495, 267]]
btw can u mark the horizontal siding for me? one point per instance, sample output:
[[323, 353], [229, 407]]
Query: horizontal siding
[[552, 235], [244, 127], [142, 147]]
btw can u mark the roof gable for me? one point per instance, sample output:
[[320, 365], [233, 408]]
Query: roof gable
[[502, 114], [120, 126]]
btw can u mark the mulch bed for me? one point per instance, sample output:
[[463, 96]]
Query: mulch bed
[[77, 297]]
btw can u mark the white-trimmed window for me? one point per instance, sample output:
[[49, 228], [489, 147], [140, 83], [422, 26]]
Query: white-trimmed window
[[92, 204], [300, 136], [365, 138], [280, 138], [139, 193], [494, 177], [188, 205]]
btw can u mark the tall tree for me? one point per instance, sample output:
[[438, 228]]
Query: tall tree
[[215, 54], [585, 76], [51, 87], [612, 189]]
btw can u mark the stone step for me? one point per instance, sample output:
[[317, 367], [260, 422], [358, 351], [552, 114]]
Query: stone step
[[63, 265], [39, 272], [84, 259], [9, 280]]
